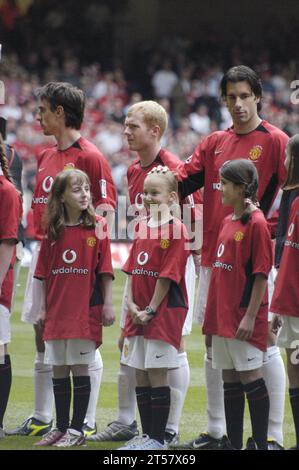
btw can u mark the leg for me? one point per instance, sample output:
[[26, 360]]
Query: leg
[[95, 370], [81, 388], [143, 396], [44, 399], [160, 402], [234, 403], [275, 380], [215, 398], [5, 383], [179, 379], [293, 375], [258, 401], [126, 380]]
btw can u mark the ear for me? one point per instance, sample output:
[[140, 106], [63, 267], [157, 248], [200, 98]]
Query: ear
[[59, 111], [173, 197], [257, 99], [156, 131]]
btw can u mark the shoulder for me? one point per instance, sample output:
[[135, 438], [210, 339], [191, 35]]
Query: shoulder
[[170, 159], [134, 165], [211, 141], [89, 150], [275, 132]]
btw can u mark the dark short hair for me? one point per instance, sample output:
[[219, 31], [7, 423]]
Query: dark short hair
[[71, 98], [242, 73]]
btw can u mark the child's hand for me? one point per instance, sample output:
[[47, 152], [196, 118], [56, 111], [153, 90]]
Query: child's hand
[[276, 323], [246, 328], [120, 341], [108, 315], [143, 318], [133, 310]]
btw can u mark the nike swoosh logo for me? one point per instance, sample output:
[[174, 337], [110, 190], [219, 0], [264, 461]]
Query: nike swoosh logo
[[158, 357], [83, 353], [250, 359], [218, 151], [40, 169]]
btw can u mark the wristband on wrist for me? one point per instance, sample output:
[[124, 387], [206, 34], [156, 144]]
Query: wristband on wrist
[[150, 311]]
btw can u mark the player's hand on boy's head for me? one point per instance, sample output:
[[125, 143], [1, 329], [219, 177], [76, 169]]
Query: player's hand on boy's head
[[108, 315]]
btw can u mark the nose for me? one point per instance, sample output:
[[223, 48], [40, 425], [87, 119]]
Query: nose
[[238, 103]]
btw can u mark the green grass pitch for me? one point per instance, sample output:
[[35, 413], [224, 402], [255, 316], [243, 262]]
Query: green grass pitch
[[21, 398]]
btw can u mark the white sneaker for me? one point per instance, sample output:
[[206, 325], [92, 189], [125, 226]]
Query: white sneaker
[[134, 443], [151, 444]]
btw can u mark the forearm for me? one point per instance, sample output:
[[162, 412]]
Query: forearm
[[6, 253], [161, 290], [257, 294], [106, 281]]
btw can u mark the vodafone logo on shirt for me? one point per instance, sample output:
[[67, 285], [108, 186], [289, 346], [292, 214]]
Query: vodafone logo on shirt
[[220, 264], [220, 250], [139, 201], [47, 184], [291, 229], [69, 256], [142, 258]]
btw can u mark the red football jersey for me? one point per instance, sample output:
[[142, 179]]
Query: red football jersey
[[10, 217], [242, 252], [136, 175], [82, 155], [71, 267], [265, 147], [159, 253], [285, 300]]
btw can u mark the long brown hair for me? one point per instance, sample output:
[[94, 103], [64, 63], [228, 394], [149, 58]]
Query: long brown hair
[[55, 218], [292, 179], [3, 160]]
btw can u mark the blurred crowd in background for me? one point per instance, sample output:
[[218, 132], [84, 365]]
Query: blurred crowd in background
[[182, 76]]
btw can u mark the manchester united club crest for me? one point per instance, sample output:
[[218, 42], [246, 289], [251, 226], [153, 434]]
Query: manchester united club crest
[[164, 244], [91, 241], [238, 236], [255, 152]]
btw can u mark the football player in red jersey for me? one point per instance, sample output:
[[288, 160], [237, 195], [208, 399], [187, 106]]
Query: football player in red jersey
[[75, 272], [255, 139], [60, 113], [10, 217], [145, 125], [157, 305], [285, 300], [237, 305]]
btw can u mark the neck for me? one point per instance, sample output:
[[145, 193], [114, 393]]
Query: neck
[[66, 138], [73, 217], [245, 128], [238, 210], [148, 155], [158, 218]]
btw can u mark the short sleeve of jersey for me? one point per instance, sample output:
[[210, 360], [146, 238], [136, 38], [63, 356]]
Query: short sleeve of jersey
[[127, 268], [262, 252], [10, 213], [102, 186], [174, 259], [42, 261], [105, 263]]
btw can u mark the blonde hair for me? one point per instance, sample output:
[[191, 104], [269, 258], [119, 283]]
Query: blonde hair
[[168, 178], [153, 114], [55, 217]]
